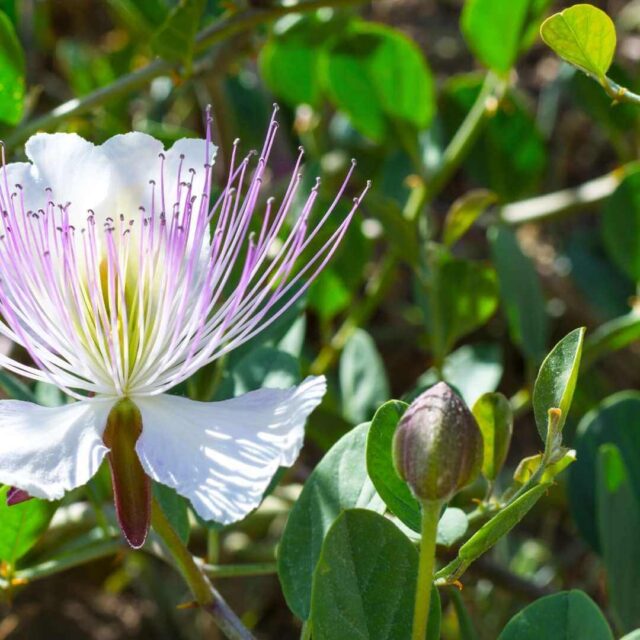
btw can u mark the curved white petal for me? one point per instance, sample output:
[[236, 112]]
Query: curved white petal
[[23, 174], [46, 451], [134, 161], [222, 455], [76, 170]]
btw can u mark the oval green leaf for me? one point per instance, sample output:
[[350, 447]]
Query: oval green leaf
[[363, 380], [290, 59], [583, 35], [339, 482], [392, 489], [569, 614], [496, 31], [364, 583], [21, 526], [378, 76], [556, 380], [494, 416]]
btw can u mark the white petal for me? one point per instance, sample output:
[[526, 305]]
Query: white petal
[[76, 170], [134, 160], [194, 151], [222, 455], [46, 451], [25, 175]]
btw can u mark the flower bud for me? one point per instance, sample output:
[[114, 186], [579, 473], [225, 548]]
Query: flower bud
[[437, 447]]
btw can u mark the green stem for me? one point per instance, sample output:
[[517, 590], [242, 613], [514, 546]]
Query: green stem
[[221, 29], [618, 93], [213, 548], [485, 105], [203, 591], [430, 517], [305, 633], [240, 570], [90, 553]]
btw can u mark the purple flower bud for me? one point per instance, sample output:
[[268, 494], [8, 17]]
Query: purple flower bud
[[437, 446]]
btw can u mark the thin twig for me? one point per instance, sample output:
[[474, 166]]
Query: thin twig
[[560, 203]]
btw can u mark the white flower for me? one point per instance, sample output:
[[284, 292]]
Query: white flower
[[121, 279]]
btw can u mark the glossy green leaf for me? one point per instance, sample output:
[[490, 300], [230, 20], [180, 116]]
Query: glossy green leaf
[[21, 526], [464, 212], [569, 614], [472, 369], [12, 73], [634, 635], [495, 30], [175, 507], [379, 77], [339, 482], [618, 510], [463, 296], [392, 489], [521, 294], [583, 35], [621, 226], [490, 532], [365, 558], [175, 40], [556, 380], [617, 421], [494, 416], [363, 380]]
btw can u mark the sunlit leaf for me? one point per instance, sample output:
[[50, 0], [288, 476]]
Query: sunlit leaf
[[494, 416], [583, 35], [21, 526], [464, 212], [557, 379], [496, 30]]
